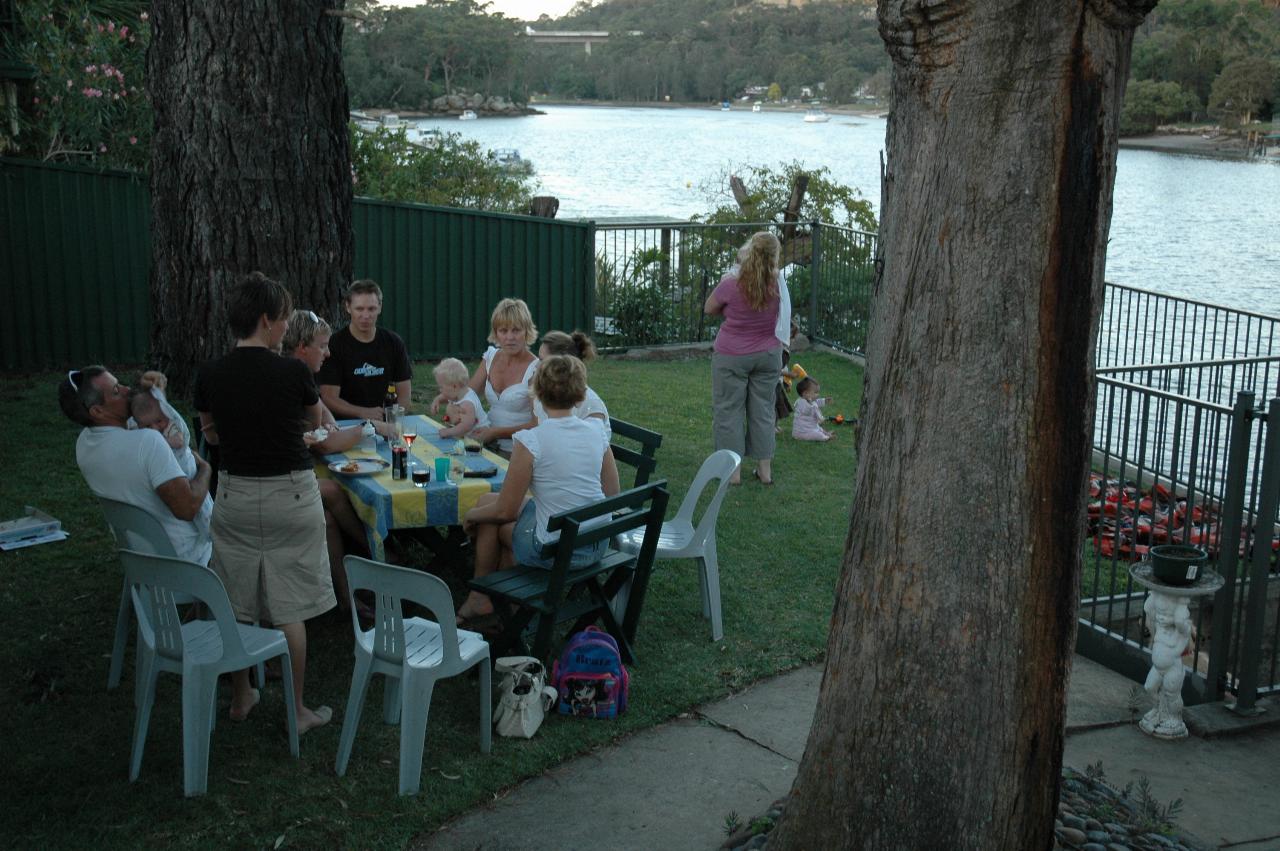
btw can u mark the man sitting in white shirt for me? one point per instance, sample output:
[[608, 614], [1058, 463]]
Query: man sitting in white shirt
[[136, 466]]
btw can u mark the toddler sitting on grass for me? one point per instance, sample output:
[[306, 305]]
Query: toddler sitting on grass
[[808, 413], [464, 412]]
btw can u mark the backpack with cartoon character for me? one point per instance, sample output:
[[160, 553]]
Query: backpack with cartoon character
[[590, 677]]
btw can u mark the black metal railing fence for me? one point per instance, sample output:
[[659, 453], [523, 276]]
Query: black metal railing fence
[[652, 278]]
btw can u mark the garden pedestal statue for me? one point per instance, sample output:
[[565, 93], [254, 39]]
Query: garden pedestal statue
[[1169, 619]]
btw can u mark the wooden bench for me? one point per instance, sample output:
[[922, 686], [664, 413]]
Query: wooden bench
[[581, 594]]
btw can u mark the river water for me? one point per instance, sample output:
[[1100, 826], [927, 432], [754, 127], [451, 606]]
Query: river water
[[1195, 227]]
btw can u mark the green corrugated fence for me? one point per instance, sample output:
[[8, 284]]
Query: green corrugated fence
[[75, 249], [75, 245]]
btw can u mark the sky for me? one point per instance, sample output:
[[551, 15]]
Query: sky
[[524, 10]]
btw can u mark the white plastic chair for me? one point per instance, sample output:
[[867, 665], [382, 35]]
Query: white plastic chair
[[134, 529], [198, 650], [412, 653], [681, 538]]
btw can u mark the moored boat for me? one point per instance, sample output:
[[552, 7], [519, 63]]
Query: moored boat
[[510, 160]]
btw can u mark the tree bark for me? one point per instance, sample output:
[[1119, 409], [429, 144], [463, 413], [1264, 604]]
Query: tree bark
[[250, 166], [940, 717]]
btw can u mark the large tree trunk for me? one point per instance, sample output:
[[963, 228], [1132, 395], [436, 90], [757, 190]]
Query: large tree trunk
[[250, 167], [940, 719]]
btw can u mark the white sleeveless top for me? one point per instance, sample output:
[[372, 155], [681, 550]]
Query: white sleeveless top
[[513, 406], [567, 454], [482, 418]]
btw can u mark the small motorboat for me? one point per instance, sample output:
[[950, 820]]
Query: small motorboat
[[510, 160], [426, 138], [468, 115], [816, 116], [755, 107], [724, 106]]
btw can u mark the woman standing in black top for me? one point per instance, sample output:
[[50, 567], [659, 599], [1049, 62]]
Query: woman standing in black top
[[268, 520]]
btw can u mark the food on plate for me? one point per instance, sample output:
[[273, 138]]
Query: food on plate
[[350, 467]]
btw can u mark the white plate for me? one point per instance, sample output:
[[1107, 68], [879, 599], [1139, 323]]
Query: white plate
[[365, 467]]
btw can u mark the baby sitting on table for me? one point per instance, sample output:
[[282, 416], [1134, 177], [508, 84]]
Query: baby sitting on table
[[464, 411]]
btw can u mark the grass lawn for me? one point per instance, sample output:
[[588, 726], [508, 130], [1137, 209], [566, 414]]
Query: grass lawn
[[66, 738]]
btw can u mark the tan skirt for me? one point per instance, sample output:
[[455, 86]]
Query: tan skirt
[[269, 547]]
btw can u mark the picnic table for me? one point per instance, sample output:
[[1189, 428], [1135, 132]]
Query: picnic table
[[383, 503]]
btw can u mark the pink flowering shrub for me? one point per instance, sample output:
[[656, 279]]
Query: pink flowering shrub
[[88, 101]]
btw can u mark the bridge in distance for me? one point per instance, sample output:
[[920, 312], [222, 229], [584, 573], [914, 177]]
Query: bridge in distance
[[586, 38]]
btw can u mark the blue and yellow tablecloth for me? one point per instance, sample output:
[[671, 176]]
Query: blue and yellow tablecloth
[[384, 503]]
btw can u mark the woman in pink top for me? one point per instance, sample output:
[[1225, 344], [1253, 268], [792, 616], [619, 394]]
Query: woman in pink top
[[748, 354]]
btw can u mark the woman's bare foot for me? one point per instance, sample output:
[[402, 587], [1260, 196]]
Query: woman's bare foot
[[240, 708], [476, 605], [309, 719]]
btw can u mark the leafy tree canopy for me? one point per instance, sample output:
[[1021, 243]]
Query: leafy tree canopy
[[402, 58], [1148, 104], [1243, 89], [1192, 42], [448, 171], [769, 191]]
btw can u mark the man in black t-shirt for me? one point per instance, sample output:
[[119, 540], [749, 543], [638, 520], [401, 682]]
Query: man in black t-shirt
[[364, 359]]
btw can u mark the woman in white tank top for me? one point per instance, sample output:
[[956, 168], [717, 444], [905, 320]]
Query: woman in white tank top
[[504, 374], [562, 463]]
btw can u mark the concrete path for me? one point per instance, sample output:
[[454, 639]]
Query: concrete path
[[671, 787]]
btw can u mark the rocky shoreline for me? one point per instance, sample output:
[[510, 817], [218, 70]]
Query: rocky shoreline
[[1197, 144], [452, 106]]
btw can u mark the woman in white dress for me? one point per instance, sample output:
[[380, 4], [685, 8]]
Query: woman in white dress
[[504, 373]]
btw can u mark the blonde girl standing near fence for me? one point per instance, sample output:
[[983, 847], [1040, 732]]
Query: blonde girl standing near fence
[[747, 357]]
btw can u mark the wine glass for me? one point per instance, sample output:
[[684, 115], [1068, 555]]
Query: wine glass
[[410, 437]]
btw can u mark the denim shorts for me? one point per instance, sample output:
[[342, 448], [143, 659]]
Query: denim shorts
[[524, 544]]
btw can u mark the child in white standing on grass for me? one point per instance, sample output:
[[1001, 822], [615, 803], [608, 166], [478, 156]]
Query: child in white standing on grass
[[808, 412], [464, 411]]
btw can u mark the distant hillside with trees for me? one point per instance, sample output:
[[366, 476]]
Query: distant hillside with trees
[[1211, 61], [404, 57], [708, 50], [1204, 60]]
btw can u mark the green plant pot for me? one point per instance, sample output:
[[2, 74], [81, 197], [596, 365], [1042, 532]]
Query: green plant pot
[[1177, 564]]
